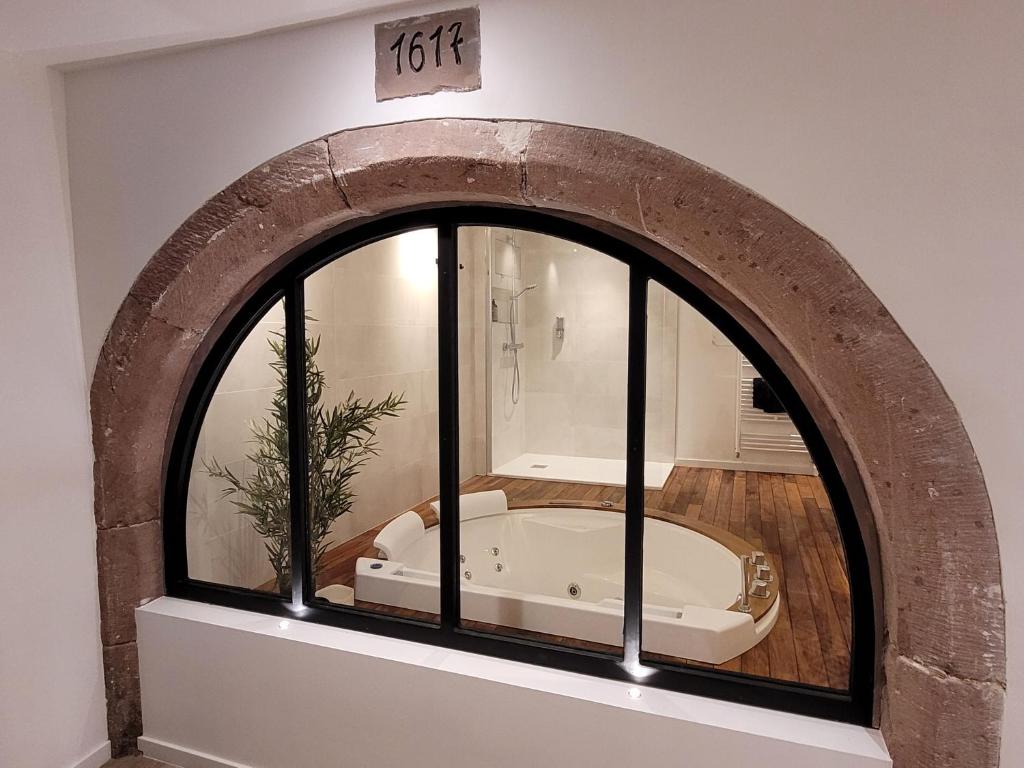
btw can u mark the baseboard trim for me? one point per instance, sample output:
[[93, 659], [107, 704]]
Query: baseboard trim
[[745, 466], [183, 756], [96, 758]]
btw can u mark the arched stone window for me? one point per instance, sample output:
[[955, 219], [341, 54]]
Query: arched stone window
[[275, 258], [378, 338]]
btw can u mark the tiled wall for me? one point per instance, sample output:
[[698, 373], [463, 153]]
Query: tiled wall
[[221, 544], [474, 324], [375, 311], [575, 387], [508, 419], [662, 371]]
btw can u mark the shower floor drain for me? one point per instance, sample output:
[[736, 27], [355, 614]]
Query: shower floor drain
[[539, 466]]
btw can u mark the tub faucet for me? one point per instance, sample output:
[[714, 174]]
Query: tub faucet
[[744, 605], [759, 588]]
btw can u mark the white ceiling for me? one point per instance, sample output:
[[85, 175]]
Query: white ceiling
[[71, 31]]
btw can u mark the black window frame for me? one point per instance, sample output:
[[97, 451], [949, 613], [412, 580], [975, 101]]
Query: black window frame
[[855, 705]]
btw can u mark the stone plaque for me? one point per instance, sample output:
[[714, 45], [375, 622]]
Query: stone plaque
[[427, 54]]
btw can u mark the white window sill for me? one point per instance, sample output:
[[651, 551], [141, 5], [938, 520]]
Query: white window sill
[[185, 646]]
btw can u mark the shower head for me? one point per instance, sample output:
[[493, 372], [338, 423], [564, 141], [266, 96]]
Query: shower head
[[530, 287]]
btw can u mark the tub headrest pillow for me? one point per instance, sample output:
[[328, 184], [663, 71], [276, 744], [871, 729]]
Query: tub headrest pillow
[[473, 505], [397, 535]]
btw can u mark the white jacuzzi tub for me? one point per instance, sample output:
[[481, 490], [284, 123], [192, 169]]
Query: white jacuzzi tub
[[559, 570]]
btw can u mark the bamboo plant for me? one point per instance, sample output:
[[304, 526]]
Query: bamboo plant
[[340, 440]]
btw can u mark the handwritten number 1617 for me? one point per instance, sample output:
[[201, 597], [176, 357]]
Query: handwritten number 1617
[[417, 54]]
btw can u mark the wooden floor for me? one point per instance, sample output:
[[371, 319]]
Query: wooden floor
[[136, 761], [787, 516]]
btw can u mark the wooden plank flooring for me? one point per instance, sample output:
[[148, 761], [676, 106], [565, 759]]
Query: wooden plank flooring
[[787, 516]]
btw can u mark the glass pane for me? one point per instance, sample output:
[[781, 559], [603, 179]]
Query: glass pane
[[372, 387], [543, 333], [743, 486], [237, 520], [662, 352]]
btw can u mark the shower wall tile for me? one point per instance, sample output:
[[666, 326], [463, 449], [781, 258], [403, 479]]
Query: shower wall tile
[[599, 442], [542, 346], [553, 377], [605, 308], [504, 255], [598, 411], [605, 344], [507, 419], [548, 423], [607, 379], [588, 366], [576, 386]]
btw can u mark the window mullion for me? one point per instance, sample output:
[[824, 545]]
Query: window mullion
[[448, 419], [636, 394], [298, 448]]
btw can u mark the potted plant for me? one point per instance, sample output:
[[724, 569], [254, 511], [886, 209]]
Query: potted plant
[[340, 441]]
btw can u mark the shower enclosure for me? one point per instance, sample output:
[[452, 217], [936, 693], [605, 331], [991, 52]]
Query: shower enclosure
[[556, 363]]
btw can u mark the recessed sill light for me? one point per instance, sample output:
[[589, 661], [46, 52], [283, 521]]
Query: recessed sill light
[[283, 624], [634, 693]]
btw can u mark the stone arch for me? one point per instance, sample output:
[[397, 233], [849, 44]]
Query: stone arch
[[942, 656]]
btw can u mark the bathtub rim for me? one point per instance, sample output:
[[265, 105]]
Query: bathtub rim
[[407, 576], [739, 546]]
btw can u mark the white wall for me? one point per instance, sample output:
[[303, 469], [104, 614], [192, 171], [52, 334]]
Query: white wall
[[63, 32], [52, 704], [226, 688], [892, 129], [708, 407]]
